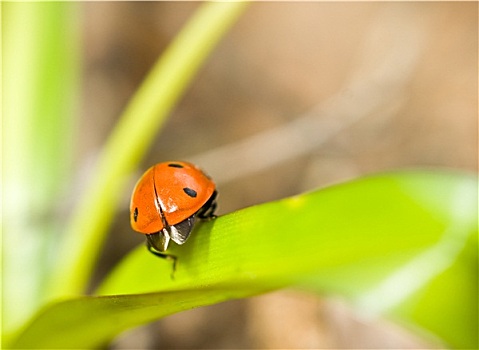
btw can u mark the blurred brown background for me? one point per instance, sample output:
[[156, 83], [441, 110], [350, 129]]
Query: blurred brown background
[[297, 96]]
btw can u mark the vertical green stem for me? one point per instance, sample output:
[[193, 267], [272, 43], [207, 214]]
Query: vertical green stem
[[40, 80]]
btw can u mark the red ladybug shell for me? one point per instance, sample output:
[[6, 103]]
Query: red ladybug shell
[[168, 193]]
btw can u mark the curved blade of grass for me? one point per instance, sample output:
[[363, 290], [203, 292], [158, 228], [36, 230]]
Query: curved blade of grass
[[132, 136], [349, 240]]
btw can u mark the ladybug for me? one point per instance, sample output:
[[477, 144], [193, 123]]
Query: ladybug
[[166, 202]]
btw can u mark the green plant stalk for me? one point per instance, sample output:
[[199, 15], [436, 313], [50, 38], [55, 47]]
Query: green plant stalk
[[131, 138], [41, 82]]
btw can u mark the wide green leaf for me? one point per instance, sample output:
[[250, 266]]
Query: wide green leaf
[[401, 244]]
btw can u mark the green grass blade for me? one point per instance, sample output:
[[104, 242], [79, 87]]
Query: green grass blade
[[91, 322], [131, 138], [40, 84], [415, 231]]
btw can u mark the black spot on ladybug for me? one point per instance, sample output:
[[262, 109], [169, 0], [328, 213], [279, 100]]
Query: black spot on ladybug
[[135, 215], [175, 165], [190, 192]]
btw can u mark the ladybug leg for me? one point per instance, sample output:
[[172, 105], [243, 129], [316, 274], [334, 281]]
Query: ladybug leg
[[162, 255], [207, 211], [154, 250]]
